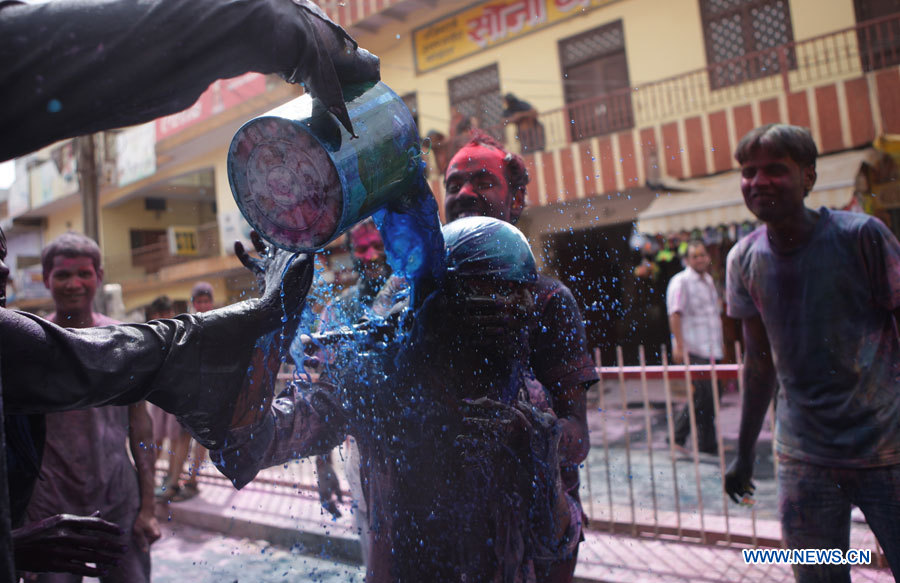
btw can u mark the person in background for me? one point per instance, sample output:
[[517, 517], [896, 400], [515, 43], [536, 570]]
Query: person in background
[[529, 130], [354, 305], [818, 294], [85, 466], [696, 324], [165, 427], [184, 447]]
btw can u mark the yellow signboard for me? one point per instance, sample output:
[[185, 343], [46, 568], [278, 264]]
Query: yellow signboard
[[183, 240], [488, 24]]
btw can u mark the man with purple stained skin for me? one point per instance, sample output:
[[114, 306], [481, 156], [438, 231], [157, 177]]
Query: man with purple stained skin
[[460, 472], [85, 465], [483, 179], [818, 293]]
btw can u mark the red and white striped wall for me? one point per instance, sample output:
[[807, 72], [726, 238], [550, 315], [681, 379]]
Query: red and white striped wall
[[841, 115]]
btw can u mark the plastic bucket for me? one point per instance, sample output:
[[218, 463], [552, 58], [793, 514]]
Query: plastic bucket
[[301, 180]]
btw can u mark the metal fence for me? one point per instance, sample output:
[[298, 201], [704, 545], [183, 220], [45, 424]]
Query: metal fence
[[636, 481]]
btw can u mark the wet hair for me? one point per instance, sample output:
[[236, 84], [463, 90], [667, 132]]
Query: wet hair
[[780, 140], [70, 244], [160, 305], [514, 170]]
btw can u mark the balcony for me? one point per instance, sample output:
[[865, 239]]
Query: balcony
[[146, 261], [842, 85], [783, 70]]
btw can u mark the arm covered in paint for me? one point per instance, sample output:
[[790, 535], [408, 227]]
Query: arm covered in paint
[[78, 67], [179, 364], [759, 380], [303, 421], [563, 364], [194, 366]]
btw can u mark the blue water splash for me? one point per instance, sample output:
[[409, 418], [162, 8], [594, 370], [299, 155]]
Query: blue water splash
[[412, 240]]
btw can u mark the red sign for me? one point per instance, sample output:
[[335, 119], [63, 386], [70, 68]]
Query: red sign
[[221, 95]]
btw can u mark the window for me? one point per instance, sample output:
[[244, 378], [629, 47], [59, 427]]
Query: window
[[879, 43], [475, 101], [412, 104], [735, 28], [148, 248], [595, 81]]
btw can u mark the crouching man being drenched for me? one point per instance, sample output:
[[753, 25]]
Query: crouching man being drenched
[[460, 470]]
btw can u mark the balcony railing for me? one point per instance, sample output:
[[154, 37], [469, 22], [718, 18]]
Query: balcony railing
[[843, 54], [155, 256], [150, 259]]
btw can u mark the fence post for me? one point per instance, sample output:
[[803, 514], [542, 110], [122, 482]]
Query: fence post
[[599, 362], [671, 430], [783, 66], [649, 429], [621, 362]]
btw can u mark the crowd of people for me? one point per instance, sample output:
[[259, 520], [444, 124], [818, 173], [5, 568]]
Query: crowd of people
[[467, 402]]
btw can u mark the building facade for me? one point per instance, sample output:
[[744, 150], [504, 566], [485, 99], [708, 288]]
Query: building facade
[[638, 106]]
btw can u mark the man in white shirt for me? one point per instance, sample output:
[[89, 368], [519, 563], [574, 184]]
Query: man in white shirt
[[694, 319]]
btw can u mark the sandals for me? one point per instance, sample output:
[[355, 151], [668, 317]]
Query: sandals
[[164, 492], [186, 492]]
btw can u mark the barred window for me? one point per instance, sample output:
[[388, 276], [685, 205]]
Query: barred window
[[733, 29], [477, 96], [595, 81]]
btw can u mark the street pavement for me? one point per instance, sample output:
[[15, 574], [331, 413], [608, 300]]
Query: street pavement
[[280, 509]]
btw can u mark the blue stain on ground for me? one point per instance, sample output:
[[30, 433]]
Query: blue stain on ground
[[54, 106]]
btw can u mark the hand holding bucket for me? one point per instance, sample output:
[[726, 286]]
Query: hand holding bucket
[[301, 180]]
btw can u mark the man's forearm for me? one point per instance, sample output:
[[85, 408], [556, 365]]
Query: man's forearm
[[571, 408], [759, 386], [677, 332], [96, 64], [140, 435]]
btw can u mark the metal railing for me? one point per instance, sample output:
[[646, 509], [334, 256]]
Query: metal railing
[[155, 256], [843, 54], [637, 481], [696, 508]]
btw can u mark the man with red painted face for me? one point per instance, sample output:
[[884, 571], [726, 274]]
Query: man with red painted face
[[351, 307], [483, 179], [818, 292]]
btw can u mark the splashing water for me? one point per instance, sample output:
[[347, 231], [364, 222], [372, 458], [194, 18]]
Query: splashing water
[[412, 240]]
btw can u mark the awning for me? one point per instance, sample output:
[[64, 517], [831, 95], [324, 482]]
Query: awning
[[712, 201]]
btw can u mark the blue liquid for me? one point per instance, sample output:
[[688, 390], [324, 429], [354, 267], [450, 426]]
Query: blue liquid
[[413, 242]]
